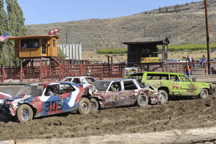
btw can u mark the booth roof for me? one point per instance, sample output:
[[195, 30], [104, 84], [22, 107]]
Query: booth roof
[[147, 40], [33, 36]]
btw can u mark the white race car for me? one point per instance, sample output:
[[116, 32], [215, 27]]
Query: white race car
[[85, 81]]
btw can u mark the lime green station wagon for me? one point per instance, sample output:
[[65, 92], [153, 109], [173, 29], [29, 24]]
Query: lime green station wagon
[[172, 84]]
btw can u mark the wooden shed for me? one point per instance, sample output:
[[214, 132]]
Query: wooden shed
[[35, 46], [144, 49]]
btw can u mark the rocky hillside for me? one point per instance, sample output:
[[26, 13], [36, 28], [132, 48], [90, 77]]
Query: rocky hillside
[[180, 23]]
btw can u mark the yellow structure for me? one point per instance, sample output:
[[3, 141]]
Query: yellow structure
[[149, 59], [35, 46]]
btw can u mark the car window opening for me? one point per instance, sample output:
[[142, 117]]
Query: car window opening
[[157, 77], [115, 86], [76, 80], [66, 88], [129, 85]]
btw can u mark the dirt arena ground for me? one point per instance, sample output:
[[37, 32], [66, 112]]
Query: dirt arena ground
[[181, 113]]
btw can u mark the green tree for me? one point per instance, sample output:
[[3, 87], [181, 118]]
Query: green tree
[[3, 22], [160, 10], [3, 28], [61, 53], [15, 27], [167, 10], [176, 8], [11, 28], [20, 20]]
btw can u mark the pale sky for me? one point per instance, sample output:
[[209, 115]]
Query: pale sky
[[51, 11]]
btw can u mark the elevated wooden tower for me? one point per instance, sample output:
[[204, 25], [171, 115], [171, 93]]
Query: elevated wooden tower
[[31, 48]]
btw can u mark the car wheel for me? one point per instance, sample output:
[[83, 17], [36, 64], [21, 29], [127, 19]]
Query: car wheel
[[84, 106], [142, 100], [163, 96], [24, 113], [94, 105], [203, 93]]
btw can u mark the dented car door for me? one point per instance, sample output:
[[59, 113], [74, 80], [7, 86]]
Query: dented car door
[[113, 94], [174, 84], [187, 87], [130, 92]]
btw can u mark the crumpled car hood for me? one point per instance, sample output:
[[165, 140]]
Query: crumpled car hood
[[4, 95]]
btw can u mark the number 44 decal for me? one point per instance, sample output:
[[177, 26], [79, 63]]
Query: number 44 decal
[[175, 85]]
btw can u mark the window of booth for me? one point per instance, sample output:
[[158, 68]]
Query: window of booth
[[44, 46], [29, 43], [54, 43]]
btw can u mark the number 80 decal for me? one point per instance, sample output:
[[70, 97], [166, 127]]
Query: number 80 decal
[[175, 85]]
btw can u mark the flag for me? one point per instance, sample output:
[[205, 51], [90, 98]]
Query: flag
[[54, 32], [4, 36]]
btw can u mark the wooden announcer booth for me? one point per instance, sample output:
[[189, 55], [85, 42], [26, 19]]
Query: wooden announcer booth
[[35, 46]]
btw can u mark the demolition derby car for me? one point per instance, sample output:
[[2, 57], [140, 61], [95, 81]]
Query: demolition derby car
[[85, 81], [173, 84], [42, 99], [120, 92]]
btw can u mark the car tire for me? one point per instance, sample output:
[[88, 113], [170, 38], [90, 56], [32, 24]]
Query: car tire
[[24, 113], [142, 100], [163, 96], [203, 93], [94, 105], [84, 106]]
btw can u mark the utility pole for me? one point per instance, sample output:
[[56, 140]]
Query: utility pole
[[66, 36], [144, 31], [207, 36]]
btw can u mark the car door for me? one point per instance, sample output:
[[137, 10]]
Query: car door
[[130, 92], [63, 100], [67, 97], [174, 85], [186, 86], [112, 95], [51, 102], [157, 79]]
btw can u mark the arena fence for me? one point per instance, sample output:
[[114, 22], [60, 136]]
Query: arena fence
[[55, 72]]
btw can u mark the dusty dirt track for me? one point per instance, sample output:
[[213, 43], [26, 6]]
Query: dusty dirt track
[[182, 113]]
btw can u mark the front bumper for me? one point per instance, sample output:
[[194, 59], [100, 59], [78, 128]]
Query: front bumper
[[212, 90]]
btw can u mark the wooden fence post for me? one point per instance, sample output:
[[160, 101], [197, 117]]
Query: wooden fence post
[[40, 77], [163, 67], [122, 71], [205, 68], [138, 68], [81, 70], [2, 72], [21, 71], [60, 76], [101, 76]]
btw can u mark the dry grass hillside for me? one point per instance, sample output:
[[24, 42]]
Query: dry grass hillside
[[184, 26]]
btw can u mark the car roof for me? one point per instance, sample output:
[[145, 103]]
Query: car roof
[[79, 77], [48, 83], [159, 73], [115, 80]]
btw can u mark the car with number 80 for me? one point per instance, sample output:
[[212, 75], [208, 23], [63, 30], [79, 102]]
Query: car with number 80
[[42, 99]]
